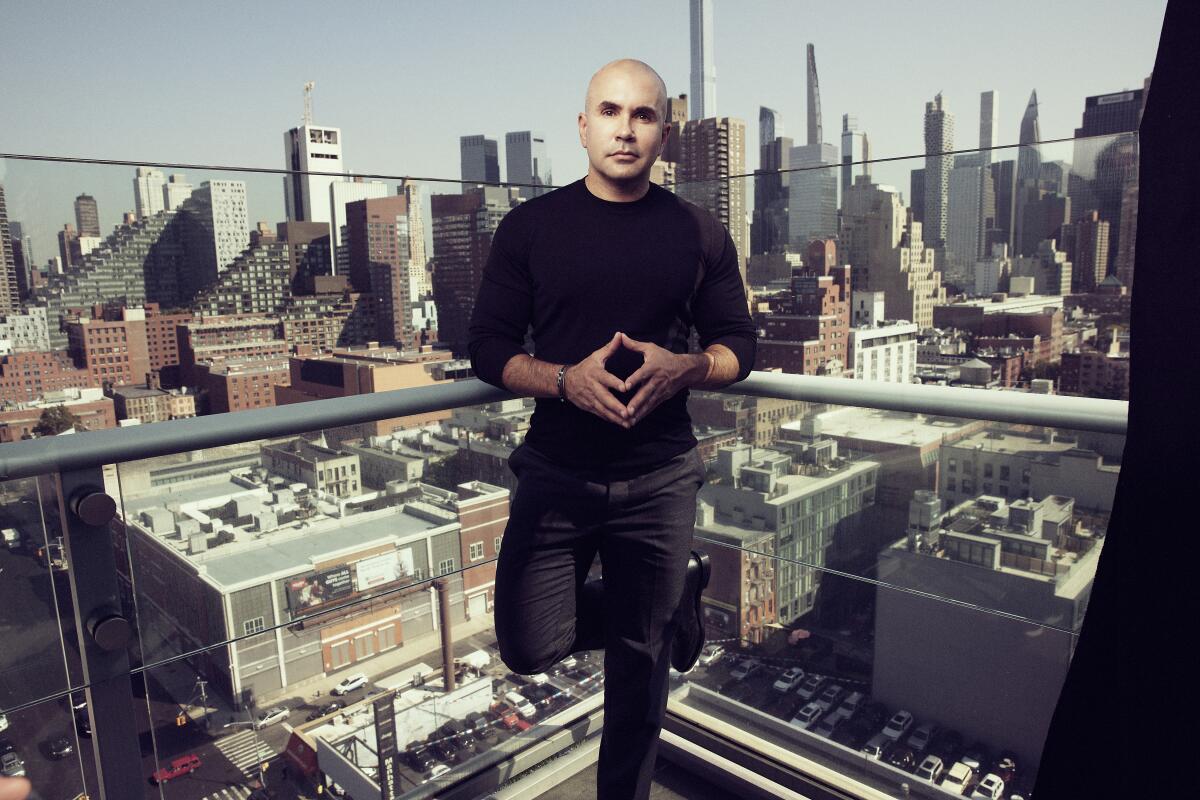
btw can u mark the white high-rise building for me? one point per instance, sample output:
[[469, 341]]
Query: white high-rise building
[[342, 192], [702, 103], [148, 192], [306, 149], [420, 283], [175, 191], [230, 226], [884, 352]]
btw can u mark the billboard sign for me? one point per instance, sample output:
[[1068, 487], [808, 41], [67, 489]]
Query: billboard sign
[[378, 570], [310, 591]]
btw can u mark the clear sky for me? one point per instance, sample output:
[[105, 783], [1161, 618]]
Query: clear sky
[[219, 82]]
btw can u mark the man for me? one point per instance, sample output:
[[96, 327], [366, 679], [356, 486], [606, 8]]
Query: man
[[612, 272]]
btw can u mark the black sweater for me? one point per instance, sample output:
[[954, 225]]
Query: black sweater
[[579, 268]]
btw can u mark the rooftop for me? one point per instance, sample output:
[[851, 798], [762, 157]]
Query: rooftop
[[889, 427]]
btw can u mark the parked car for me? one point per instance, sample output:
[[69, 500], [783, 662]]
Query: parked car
[[902, 757], [709, 654], [349, 684], [831, 696], [325, 710], [521, 704], [184, 765], [875, 713], [419, 758], [59, 747], [990, 788], [853, 734], [745, 669], [480, 726], [539, 678], [873, 749], [457, 732], [12, 765], [959, 779], [807, 716], [930, 769], [853, 703], [898, 725], [3, 722], [811, 686], [504, 714], [921, 737], [271, 716], [788, 679], [977, 757], [444, 749], [6, 746], [828, 724], [437, 771]]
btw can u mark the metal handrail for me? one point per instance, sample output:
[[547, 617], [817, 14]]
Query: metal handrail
[[115, 445]]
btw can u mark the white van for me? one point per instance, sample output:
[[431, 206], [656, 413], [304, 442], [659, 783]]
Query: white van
[[521, 704]]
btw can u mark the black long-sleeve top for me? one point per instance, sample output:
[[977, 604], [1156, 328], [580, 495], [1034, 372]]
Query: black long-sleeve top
[[578, 268]]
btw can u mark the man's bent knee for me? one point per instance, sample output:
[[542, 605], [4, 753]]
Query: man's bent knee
[[525, 661]]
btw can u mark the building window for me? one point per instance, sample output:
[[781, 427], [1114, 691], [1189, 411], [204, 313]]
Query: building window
[[952, 485], [363, 646], [496, 542], [253, 625], [387, 638], [446, 567], [476, 551], [1025, 475], [987, 470], [339, 655], [1003, 472], [953, 465]]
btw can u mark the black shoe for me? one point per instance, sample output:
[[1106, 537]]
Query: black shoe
[[689, 635]]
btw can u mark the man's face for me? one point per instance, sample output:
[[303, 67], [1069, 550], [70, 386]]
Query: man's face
[[624, 115]]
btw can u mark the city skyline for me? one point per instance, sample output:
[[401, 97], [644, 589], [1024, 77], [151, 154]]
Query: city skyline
[[184, 134]]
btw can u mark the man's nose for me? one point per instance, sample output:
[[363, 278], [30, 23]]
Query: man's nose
[[625, 131]]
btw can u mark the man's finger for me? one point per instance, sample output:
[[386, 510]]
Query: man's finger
[[634, 344], [614, 406], [611, 381], [603, 412], [607, 350], [643, 402], [639, 375], [14, 788]]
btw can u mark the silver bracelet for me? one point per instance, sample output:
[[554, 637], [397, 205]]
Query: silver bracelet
[[562, 384]]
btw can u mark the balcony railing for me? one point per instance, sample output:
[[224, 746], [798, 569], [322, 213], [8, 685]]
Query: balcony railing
[[710, 710]]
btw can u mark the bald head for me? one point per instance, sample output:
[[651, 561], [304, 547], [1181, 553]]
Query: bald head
[[626, 69]]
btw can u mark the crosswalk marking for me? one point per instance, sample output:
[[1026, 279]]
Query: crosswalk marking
[[230, 793], [240, 749]]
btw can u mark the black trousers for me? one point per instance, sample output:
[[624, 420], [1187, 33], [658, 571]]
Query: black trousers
[[545, 608]]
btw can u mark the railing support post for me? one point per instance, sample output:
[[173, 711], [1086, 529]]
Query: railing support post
[[103, 631]]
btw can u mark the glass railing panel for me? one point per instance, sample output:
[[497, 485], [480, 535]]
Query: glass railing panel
[[1006, 517], [35, 596], [49, 743], [898, 692], [324, 730]]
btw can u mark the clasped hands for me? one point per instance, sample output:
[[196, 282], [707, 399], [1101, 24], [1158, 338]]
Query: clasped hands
[[590, 386]]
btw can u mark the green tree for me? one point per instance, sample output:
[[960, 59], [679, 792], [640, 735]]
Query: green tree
[[54, 420]]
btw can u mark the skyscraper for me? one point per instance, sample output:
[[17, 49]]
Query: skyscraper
[[148, 192], [883, 244], [814, 99], [769, 225], [703, 100], [813, 183], [479, 159], [340, 194], [1026, 180], [989, 115], [527, 162], [307, 149], [856, 152], [677, 115], [176, 190], [939, 141], [19, 244], [463, 226], [971, 200], [713, 150], [10, 294], [1088, 252], [87, 215], [67, 237], [381, 253]]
